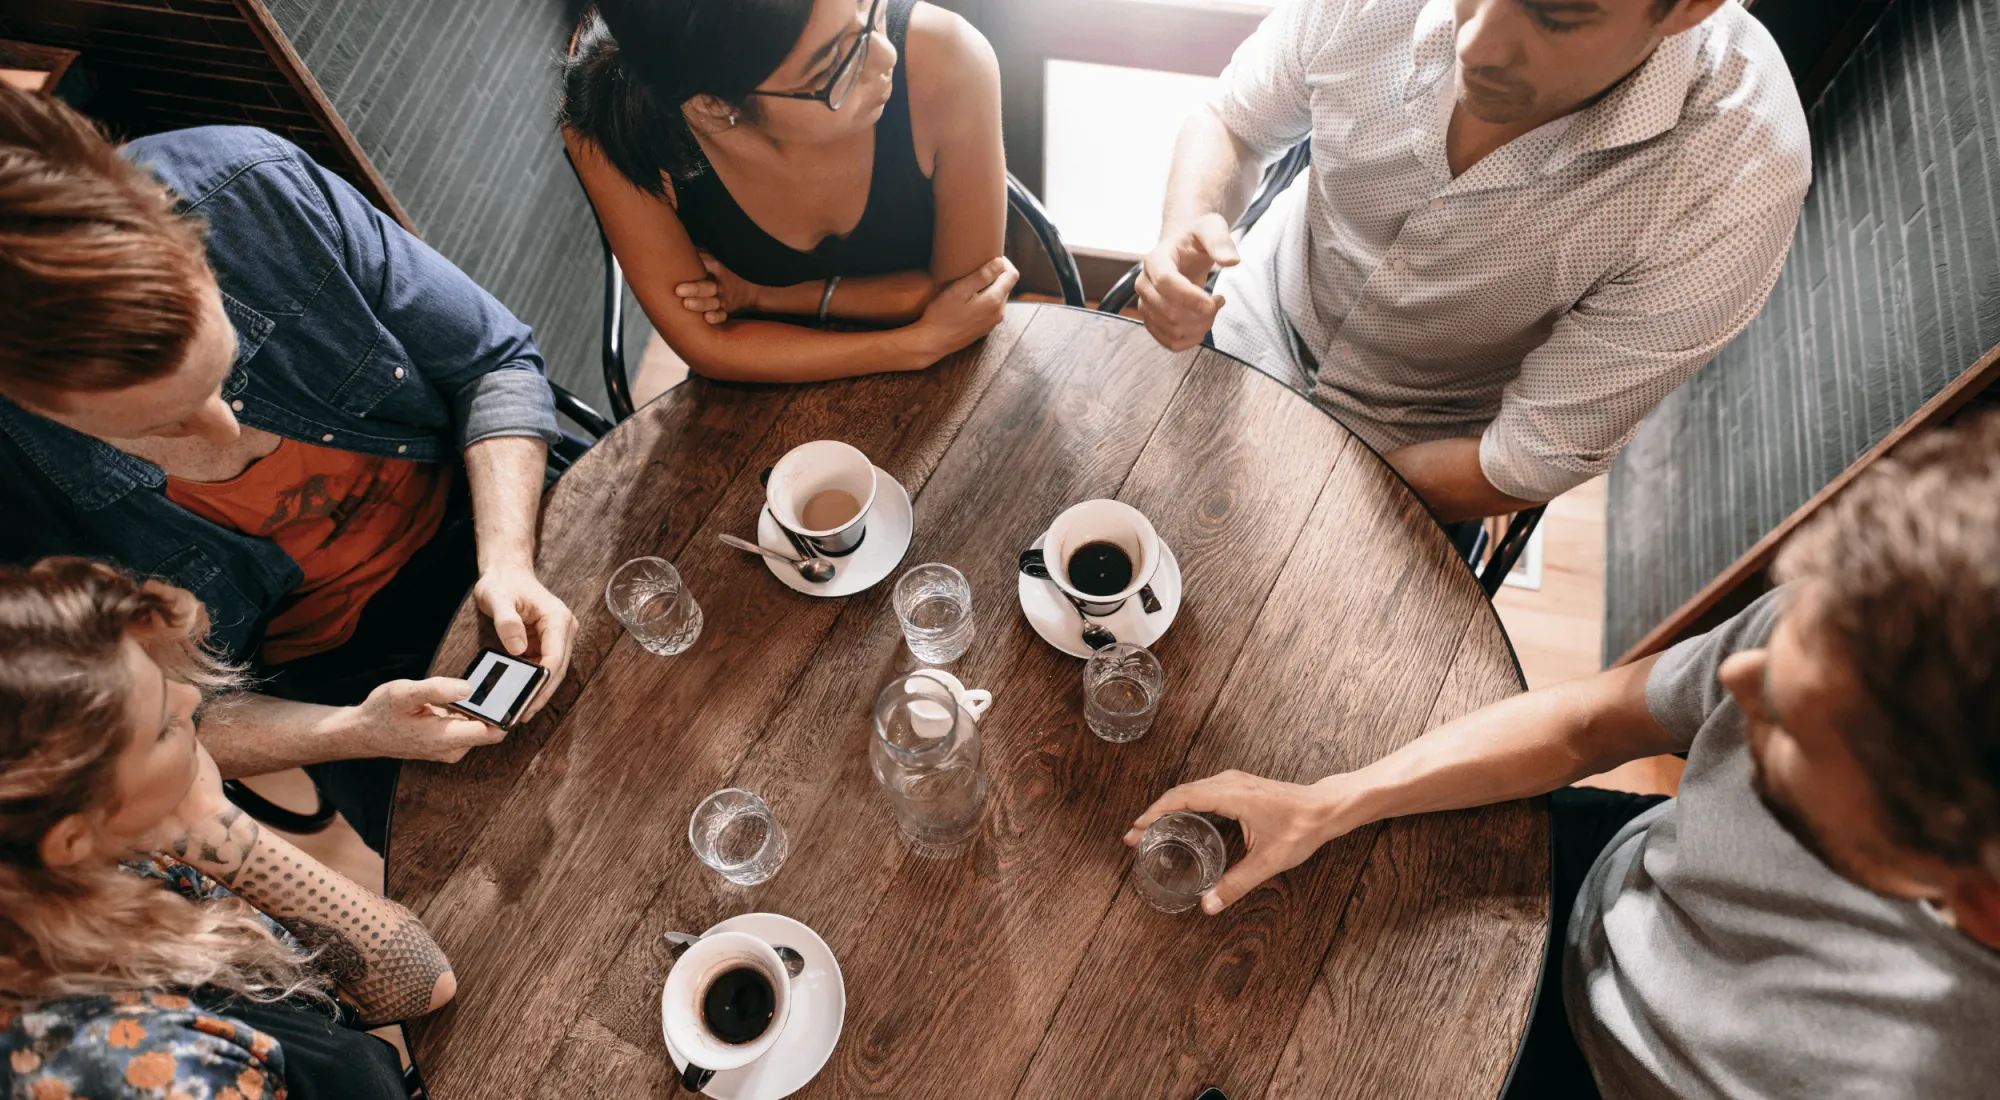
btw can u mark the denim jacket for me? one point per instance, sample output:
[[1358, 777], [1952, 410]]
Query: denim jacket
[[350, 333]]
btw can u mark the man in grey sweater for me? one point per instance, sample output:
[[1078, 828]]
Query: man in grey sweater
[[1817, 914]]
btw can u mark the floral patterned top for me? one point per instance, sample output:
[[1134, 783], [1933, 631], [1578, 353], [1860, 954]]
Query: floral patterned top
[[155, 1046]]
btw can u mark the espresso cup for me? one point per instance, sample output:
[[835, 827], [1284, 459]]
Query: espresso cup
[[687, 1022], [822, 492], [1101, 521]]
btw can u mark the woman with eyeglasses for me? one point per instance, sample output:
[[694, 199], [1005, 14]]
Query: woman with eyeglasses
[[797, 190]]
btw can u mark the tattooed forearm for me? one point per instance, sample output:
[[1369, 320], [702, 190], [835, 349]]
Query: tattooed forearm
[[393, 982], [373, 949], [220, 846]]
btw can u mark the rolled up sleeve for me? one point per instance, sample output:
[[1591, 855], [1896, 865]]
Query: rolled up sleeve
[[473, 350], [1264, 98], [1614, 356]]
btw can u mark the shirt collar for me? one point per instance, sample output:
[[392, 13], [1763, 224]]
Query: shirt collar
[[1433, 50], [1643, 106], [93, 473]]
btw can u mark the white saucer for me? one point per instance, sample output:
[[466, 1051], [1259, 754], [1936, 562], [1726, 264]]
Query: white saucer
[[890, 524], [1056, 620], [819, 1007]]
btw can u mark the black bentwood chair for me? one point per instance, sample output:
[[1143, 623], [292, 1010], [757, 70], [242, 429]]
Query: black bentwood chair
[[1471, 538], [617, 380]]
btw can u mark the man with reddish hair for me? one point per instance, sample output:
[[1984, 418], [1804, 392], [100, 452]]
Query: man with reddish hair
[[221, 366]]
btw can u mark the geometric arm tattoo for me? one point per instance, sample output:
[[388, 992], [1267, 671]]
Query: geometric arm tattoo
[[377, 952]]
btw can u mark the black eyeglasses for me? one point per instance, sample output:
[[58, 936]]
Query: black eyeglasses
[[846, 74]]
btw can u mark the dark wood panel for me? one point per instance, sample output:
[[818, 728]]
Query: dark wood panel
[[455, 101], [1889, 303], [152, 65]]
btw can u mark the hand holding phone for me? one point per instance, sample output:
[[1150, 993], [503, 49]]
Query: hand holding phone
[[502, 687]]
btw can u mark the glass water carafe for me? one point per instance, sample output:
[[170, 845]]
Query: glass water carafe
[[926, 757]]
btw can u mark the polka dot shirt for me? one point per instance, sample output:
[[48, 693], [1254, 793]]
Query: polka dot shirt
[[1548, 298]]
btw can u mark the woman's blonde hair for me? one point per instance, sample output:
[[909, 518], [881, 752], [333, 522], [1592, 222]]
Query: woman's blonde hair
[[64, 723]]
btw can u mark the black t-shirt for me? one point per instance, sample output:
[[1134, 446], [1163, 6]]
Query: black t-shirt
[[325, 1058]]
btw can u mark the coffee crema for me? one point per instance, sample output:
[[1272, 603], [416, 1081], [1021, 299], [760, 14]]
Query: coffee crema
[[828, 509], [738, 1005], [1100, 568]]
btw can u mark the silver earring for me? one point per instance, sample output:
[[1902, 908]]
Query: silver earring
[[734, 118]]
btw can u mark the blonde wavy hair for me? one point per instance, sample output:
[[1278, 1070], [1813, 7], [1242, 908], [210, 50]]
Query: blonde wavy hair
[[92, 929]]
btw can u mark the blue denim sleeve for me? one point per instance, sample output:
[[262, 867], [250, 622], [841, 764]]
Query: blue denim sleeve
[[476, 353]]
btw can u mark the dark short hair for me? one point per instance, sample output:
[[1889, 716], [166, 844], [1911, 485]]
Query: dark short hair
[[1903, 577], [635, 63], [100, 277]]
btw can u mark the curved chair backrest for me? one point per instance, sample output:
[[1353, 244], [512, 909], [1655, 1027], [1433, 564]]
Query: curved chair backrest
[[1032, 212], [1276, 178]]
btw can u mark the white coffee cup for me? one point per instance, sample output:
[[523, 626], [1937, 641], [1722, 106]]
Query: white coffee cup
[[698, 967], [825, 465], [1101, 521]]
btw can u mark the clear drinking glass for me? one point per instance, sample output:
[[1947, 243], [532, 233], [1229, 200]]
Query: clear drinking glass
[[926, 758], [934, 604], [648, 596], [1180, 857], [734, 832], [1122, 688]]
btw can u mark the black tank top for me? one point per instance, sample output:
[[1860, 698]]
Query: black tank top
[[896, 227]]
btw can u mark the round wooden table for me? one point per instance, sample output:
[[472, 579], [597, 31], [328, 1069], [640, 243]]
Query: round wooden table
[[1327, 622]]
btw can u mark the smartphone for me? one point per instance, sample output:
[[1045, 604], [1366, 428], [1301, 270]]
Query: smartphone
[[502, 687], [1212, 1093]]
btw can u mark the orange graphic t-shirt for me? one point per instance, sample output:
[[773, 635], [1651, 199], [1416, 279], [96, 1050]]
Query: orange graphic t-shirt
[[350, 521]]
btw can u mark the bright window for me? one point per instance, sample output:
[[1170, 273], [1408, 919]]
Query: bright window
[[1109, 136]]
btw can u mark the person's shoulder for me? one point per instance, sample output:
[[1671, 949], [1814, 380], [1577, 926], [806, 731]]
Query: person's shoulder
[[1745, 99], [946, 54], [199, 162]]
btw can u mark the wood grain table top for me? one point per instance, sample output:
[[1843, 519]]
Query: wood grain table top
[[1326, 622]]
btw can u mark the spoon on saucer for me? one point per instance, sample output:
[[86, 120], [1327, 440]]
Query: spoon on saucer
[[795, 963], [815, 570], [1094, 636]]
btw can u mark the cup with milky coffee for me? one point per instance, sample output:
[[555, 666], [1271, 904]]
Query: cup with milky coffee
[[822, 491], [1101, 553]]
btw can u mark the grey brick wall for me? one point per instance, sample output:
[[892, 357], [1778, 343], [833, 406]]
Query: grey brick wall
[[454, 100], [1892, 291]]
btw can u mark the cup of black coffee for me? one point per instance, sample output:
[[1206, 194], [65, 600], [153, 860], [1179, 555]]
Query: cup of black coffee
[[1101, 553], [727, 999]]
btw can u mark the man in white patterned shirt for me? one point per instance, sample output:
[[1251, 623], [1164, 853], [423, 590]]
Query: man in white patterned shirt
[[1525, 223]]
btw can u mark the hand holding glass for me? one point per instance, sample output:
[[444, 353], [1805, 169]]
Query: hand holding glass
[[1181, 856]]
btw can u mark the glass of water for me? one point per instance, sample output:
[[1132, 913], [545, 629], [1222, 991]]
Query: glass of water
[[1180, 857], [649, 597], [934, 604], [734, 832], [1122, 688]]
